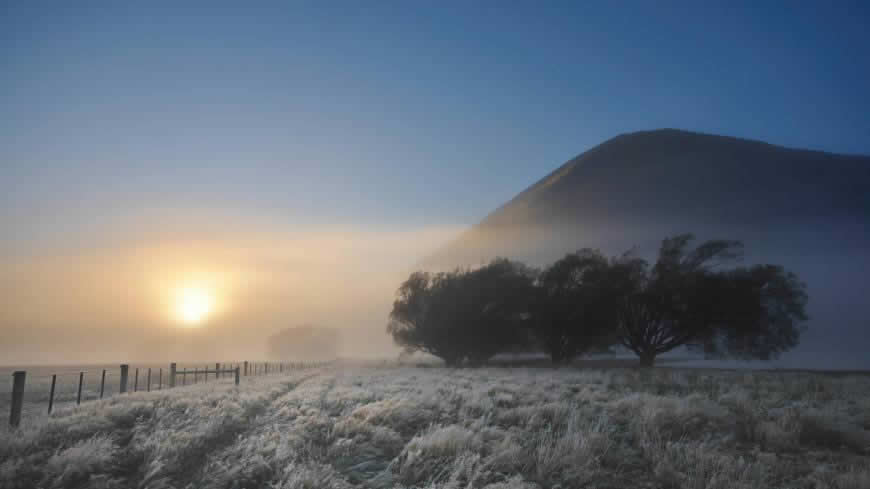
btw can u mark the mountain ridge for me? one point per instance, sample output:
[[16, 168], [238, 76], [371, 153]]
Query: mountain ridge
[[680, 176], [667, 131]]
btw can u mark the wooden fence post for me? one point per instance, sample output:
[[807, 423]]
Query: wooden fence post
[[184, 377], [148, 389], [51, 393], [79, 395], [17, 397], [172, 371], [217, 370], [124, 372], [136, 381], [237, 375], [160, 380], [246, 368], [103, 383]]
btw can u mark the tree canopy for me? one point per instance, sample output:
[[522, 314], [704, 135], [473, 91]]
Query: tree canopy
[[571, 310], [463, 315], [585, 301], [685, 300]]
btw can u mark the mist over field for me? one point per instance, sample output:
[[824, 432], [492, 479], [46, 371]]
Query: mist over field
[[114, 301]]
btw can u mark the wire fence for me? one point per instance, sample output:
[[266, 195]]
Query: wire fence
[[39, 391]]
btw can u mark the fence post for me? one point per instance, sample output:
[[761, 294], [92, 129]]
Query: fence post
[[160, 380], [124, 372], [237, 375], [17, 397], [205, 372], [148, 389], [79, 395], [217, 370], [136, 381], [172, 372], [103, 383], [246, 368], [281, 368], [184, 377], [51, 393], [195, 374]]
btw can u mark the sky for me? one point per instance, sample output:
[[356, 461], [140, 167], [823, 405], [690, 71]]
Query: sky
[[216, 139]]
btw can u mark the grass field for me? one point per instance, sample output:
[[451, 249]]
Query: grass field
[[498, 428]]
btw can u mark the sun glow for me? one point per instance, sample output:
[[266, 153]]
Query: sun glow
[[193, 305]]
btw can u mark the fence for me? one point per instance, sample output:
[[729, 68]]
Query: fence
[[46, 388]]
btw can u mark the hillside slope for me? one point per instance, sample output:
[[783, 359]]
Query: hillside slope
[[636, 186]]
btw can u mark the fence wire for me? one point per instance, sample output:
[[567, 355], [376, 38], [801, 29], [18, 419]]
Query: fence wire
[[74, 385]]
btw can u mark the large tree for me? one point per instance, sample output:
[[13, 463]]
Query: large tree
[[764, 306], [572, 309], [419, 322], [686, 300], [463, 315]]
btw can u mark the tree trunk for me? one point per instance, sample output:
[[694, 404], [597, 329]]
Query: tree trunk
[[560, 354], [647, 359], [452, 361]]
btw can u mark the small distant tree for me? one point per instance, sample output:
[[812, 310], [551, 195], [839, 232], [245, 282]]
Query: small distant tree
[[684, 300], [305, 342], [572, 311], [464, 315]]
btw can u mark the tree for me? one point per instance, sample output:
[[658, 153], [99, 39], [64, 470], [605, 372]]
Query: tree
[[683, 300], [418, 320], [465, 314], [764, 307], [306, 342], [572, 311]]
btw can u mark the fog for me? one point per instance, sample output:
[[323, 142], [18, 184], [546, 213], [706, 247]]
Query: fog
[[113, 298]]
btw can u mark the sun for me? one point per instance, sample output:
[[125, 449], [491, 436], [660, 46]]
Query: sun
[[193, 305]]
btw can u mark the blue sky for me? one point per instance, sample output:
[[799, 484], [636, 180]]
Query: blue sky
[[396, 115]]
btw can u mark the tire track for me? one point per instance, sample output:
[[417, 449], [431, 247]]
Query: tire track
[[233, 465], [188, 466]]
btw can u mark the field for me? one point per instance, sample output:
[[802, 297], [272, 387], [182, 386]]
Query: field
[[496, 428]]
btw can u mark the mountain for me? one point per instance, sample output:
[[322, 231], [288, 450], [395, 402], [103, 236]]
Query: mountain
[[806, 210], [638, 187]]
